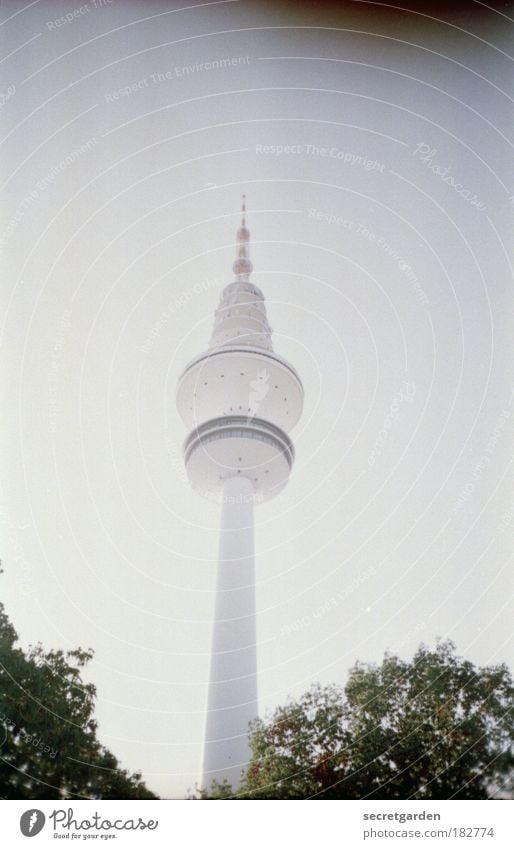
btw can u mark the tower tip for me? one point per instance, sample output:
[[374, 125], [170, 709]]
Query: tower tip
[[242, 266]]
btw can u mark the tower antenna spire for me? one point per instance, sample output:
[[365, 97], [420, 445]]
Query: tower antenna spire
[[242, 266]]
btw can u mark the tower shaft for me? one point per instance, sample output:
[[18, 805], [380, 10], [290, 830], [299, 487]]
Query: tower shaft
[[232, 701]]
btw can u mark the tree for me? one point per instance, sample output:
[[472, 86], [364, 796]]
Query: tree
[[48, 743], [435, 728]]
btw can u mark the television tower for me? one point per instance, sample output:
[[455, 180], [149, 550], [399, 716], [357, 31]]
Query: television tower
[[239, 399]]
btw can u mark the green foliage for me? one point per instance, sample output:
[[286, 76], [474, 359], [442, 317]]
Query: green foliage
[[435, 728], [218, 790], [48, 743]]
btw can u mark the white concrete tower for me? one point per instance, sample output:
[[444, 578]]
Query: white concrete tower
[[239, 399]]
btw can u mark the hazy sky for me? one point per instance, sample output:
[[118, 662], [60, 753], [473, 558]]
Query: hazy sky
[[372, 144]]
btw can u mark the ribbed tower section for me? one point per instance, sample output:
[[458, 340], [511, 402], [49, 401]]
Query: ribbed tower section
[[239, 399]]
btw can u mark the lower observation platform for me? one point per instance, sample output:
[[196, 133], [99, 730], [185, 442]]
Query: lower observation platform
[[232, 446]]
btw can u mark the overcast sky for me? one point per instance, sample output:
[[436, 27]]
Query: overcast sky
[[372, 144]]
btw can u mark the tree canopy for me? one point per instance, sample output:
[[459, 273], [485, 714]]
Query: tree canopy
[[437, 727], [48, 743]]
